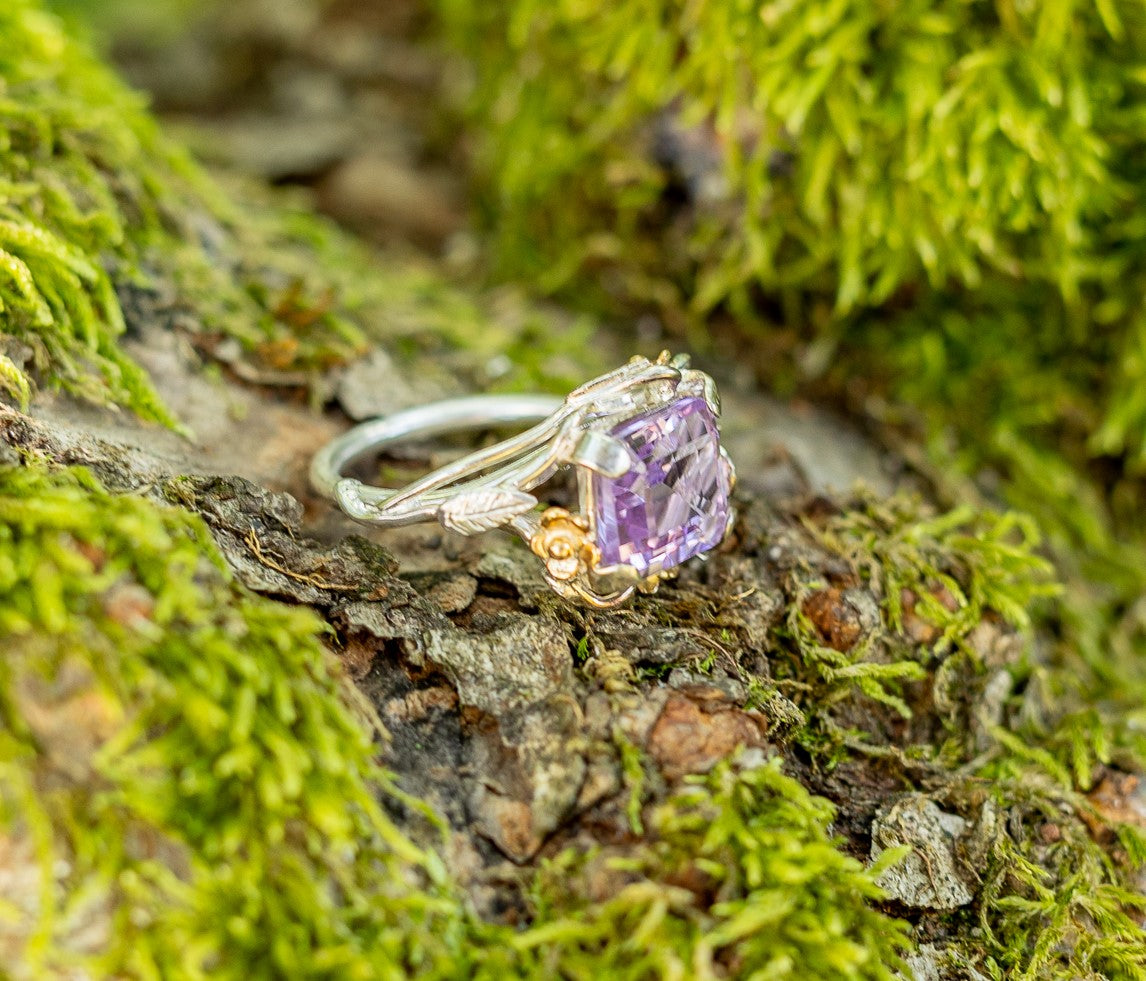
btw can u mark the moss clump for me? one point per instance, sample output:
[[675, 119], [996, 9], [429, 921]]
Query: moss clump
[[743, 879], [1061, 909], [846, 152], [908, 695], [79, 165], [177, 764], [93, 200], [935, 579]]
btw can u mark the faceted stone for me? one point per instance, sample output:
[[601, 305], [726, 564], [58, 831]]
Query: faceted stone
[[673, 502]]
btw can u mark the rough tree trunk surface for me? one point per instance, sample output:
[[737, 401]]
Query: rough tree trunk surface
[[243, 736]]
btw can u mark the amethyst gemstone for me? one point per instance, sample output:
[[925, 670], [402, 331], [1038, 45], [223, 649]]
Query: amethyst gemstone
[[673, 502]]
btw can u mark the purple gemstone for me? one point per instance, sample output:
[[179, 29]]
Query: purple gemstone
[[673, 502]]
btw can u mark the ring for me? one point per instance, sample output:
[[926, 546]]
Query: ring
[[653, 481]]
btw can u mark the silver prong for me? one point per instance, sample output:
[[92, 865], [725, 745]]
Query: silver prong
[[699, 383], [731, 468], [602, 453], [711, 396]]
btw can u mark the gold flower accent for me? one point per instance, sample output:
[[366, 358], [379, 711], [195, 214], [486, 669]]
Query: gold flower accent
[[563, 542]]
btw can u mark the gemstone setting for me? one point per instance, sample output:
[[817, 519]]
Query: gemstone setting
[[673, 503]]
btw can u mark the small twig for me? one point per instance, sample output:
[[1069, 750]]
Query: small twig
[[737, 671], [256, 548]]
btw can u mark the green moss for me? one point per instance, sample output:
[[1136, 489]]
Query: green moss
[[93, 200], [179, 757], [947, 573], [847, 151], [1023, 408], [787, 902], [1059, 909], [79, 165], [958, 596]]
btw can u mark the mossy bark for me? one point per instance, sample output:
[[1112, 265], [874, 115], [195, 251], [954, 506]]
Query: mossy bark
[[837, 750]]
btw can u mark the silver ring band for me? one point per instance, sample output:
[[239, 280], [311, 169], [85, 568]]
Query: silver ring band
[[422, 422]]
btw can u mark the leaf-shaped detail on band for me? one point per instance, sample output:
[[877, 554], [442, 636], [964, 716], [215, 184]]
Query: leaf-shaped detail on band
[[483, 510]]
